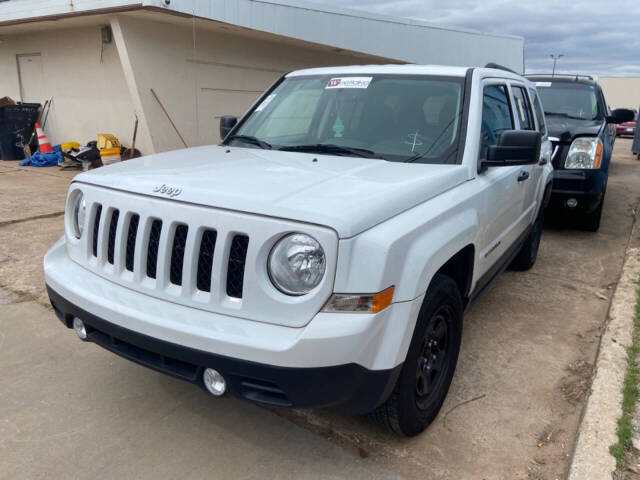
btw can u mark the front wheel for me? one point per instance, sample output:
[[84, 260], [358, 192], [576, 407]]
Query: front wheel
[[431, 361], [591, 221]]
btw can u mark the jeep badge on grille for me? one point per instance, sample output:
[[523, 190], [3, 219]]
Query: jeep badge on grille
[[169, 191]]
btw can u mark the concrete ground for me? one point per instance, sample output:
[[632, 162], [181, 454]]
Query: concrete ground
[[73, 410]]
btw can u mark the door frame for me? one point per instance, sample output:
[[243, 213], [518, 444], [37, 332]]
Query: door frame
[[18, 55]]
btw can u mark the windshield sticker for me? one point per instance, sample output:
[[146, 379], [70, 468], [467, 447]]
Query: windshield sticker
[[338, 127], [543, 84], [349, 82], [265, 102]]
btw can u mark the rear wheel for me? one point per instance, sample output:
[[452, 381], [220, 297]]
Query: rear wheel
[[431, 361], [528, 253]]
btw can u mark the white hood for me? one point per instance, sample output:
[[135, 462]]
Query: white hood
[[347, 194]]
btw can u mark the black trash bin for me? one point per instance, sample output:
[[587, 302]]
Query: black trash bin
[[16, 127]]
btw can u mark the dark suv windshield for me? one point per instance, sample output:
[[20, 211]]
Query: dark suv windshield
[[393, 117], [570, 99]]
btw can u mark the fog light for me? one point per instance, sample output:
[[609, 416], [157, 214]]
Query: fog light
[[214, 382], [572, 203], [78, 326]]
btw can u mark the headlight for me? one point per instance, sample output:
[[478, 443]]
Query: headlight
[[296, 264], [78, 212], [585, 152]]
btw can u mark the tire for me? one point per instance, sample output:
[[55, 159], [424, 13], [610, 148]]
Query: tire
[[427, 372], [528, 253], [591, 221]]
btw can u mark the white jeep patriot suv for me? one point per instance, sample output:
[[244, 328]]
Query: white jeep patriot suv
[[324, 253]]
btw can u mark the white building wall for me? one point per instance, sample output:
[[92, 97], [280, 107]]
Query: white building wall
[[89, 97], [621, 92], [224, 74], [407, 40]]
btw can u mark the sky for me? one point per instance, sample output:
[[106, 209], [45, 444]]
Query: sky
[[600, 37]]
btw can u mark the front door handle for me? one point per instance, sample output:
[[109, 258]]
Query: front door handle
[[523, 176]]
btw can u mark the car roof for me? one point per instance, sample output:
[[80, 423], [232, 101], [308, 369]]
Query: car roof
[[410, 69], [583, 79]]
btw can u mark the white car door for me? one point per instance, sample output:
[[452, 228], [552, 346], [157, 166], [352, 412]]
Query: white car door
[[504, 188], [525, 118]]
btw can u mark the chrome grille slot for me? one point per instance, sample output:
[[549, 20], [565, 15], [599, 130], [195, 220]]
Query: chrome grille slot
[[96, 230], [235, 269], [113, 225], [205, 260], [177, 254], [152, 248], [132, 233]]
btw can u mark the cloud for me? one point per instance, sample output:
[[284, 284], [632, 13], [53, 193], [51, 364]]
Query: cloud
[[596, 37]]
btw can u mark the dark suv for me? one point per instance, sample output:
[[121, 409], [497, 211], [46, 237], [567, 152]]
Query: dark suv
[[579, 127]]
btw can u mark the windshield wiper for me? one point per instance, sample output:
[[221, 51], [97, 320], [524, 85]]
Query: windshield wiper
[[331, 149], [250, 139]]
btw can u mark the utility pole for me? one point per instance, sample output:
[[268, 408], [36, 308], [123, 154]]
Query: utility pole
[[555, 60]]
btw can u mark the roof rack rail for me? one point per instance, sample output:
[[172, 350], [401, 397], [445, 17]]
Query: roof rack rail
[[564, 75], [500, 67]]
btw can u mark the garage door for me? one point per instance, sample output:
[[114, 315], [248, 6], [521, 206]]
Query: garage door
[[226, 89]]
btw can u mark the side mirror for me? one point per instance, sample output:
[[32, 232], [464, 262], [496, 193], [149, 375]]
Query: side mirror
[[227, 122], [516, 147], [621, 115]]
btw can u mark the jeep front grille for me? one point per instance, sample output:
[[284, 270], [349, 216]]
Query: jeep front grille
[[235, 273], [132, 233], [205, 260], [166, 243], [152, 248], [112, 235], [177, 254], [96, 225]]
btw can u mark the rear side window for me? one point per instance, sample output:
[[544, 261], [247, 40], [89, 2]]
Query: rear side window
[[496, 116], [523, 109], [537, 108]]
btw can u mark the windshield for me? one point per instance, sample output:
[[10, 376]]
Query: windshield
[[391, 117], [569, 99]]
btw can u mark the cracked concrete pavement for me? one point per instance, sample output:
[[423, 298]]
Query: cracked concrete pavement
[[73, 410]]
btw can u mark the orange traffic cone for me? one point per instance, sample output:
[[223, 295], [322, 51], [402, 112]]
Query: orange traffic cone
[[43, 141]]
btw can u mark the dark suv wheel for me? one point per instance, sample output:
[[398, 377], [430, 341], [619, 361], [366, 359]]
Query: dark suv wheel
[[591, 221], [431, 361]]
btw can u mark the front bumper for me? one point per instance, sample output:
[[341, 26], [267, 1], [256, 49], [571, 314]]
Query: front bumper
[[346, 361], [586, 186]]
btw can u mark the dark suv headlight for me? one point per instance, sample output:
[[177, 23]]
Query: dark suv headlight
[[585, 152]]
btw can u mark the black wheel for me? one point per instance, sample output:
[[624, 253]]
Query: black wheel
[[591, 221], [431, 361], [528, 253]]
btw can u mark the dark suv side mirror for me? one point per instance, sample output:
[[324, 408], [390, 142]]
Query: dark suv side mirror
[[621, 115], [227, 122], [516, 147]]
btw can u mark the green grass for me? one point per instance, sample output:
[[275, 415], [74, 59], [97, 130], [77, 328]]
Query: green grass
[[630, 392]]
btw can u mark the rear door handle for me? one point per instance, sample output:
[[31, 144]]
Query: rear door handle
[[523, 176]]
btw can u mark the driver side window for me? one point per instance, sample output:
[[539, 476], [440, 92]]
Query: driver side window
[[496, 116]]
